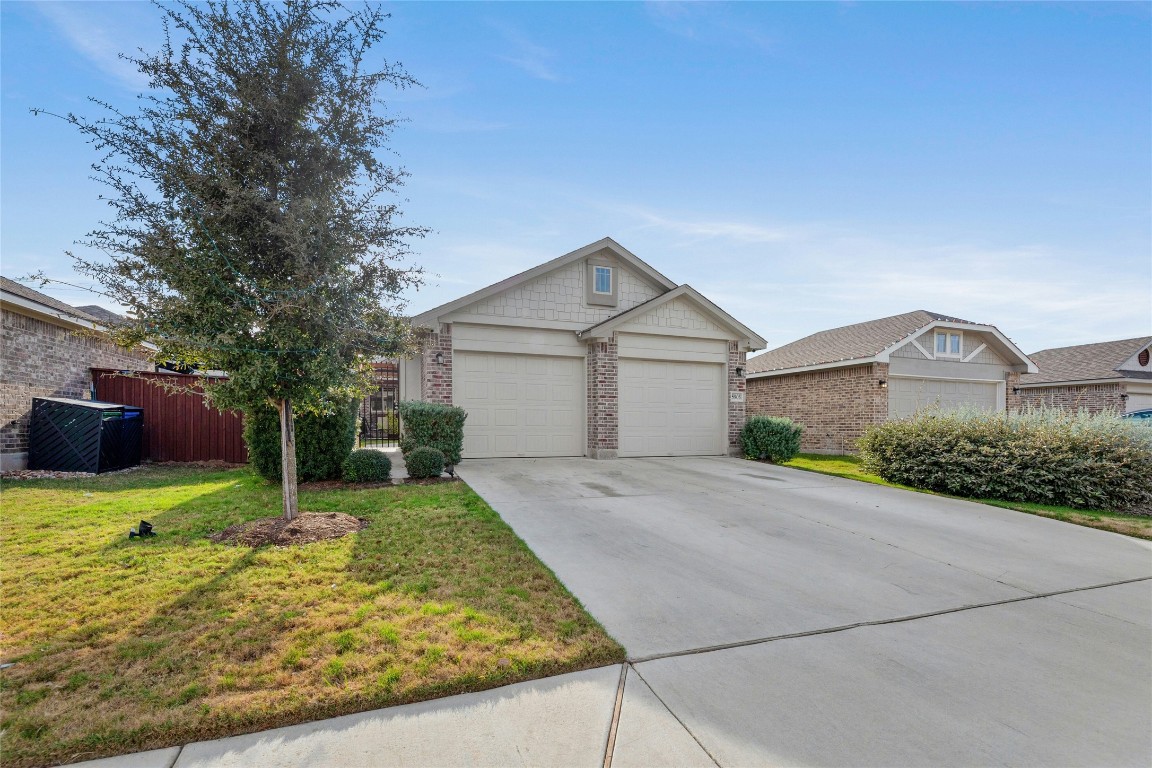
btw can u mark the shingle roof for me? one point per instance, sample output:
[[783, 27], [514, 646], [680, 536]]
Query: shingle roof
[[852, 342], [23, 291], [105, 316], [1085, 362]]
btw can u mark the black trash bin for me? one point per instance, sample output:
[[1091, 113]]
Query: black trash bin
[[68, 435]]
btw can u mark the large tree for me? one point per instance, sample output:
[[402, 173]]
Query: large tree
[[256, 229]]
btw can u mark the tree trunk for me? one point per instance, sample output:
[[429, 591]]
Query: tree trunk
[[288, 459]]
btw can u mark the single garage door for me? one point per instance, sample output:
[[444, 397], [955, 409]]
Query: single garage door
[[520, 405], [670, 408], [906, 396]]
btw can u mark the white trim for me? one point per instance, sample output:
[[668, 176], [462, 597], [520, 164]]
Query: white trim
[[595, 276], [816, 367], [742, 332], [428, 318], [975, 352], [923, 351], [886, 353], [947, 334], [46, 312]]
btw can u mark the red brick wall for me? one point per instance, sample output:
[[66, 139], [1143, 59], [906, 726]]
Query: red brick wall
[[436, 378], [736, 411], [1088, 397], [41, 359], [1012, 400], [834, 405], [603, 399]]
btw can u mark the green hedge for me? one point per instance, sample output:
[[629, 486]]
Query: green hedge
[[367, 466], [772, 438], [434, 425], [1088, 461], [424, 461], [322, 442]]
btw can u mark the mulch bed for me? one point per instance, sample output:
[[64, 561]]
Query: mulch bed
[[429, 480], [305, 528]]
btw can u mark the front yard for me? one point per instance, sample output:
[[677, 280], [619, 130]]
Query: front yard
[[849, 467], [120, 645]]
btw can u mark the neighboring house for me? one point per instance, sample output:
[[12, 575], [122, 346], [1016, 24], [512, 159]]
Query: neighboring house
[[48, 349], [1109, 376], [837, 382], [592, 354]]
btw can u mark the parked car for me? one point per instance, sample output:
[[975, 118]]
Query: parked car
[[1140, 417]]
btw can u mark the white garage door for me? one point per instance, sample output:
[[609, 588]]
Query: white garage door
[[906, 396], [520, 405], [672, 408]]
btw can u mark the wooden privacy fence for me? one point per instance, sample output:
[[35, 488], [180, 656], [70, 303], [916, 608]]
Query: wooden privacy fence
[[178, 426]]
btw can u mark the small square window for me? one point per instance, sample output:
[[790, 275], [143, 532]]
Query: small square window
[[603, 280]]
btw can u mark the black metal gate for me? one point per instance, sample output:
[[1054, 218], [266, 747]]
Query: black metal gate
[[380, 409]]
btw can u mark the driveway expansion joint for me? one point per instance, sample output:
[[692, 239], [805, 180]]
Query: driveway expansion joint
[[610, 746], [675, 717], [875, 622]]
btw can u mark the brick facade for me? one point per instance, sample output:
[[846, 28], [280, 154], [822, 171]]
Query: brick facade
[[603, 399], [834, 405], [736, 410], [42, 359], [436, 378], [1012, 398], [1093, 398]]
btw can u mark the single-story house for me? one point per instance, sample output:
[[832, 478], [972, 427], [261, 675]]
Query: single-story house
[[839, 381], [594, 354], [48, 351], [1108, 376]]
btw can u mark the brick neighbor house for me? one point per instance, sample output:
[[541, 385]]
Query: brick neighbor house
[[837, 382], [48, 350], [1108, 376], [594, 354]]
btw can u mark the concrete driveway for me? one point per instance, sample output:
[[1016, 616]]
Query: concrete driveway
[[774, 616]]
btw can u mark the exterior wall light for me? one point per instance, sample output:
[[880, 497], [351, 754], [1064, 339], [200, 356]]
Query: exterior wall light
[[1015, 390], [883, 384], [1123, 395], [439, 358], [739, 372]]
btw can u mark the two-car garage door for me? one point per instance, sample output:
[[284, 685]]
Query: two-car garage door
[[670, 408], [907, 395]]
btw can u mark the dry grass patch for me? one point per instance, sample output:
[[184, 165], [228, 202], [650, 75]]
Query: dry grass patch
[[122, 645], [1139, 526]]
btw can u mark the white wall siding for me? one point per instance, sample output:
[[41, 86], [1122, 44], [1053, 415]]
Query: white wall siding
[[678, 315], [654, 347], [513, 340]]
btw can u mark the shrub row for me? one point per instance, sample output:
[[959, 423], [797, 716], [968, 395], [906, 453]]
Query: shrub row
[[323, 442], [432, 425], [1088, 461], [769, 437]]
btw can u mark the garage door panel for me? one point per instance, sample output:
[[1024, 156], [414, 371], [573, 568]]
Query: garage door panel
[[520, 405], [907, 396], [671, 408]]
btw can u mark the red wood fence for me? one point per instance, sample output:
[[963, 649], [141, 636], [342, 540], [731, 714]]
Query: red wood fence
[[177, 426]]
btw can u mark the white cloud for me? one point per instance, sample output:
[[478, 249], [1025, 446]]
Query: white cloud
[[90, 36], [534, 59]]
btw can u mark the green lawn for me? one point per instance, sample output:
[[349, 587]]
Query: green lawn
[[849, 466], [122, 645]]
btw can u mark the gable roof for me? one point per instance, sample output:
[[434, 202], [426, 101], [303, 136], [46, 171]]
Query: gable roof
[[24, 292], [861, 341], [684, 291], [106, 316], [1086, 362], [430, 318]]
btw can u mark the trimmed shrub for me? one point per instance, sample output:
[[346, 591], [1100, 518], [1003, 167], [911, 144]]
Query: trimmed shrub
[[772, 438], [424, 461], [434, 425], [1046, 456], [322, 442], [367, 466]]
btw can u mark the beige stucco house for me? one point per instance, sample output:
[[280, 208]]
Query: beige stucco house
[[594, 354], [839, 381], [1108, 376]]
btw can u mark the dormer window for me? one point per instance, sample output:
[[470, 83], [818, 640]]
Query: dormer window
[[602, 280], [949, 343]]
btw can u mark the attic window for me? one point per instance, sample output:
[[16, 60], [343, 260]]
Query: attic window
[[603, 280], [949, 343], [1142, 358]]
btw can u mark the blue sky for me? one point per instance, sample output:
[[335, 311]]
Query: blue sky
[[805, 165]]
